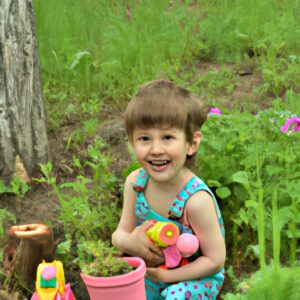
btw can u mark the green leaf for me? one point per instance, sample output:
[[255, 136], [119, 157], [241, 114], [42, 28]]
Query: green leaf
[[46, 168], [240, 177], [293, 234], [251, 203], [214, 183], [243, 216], [3, 187], [77, 58], [284, 216], [77, 162], [223, 192], [133, 166], [63, 248], [273, 170], [255, 249]]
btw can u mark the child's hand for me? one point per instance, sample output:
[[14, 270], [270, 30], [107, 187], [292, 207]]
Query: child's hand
[[141, 246], [157, 274]]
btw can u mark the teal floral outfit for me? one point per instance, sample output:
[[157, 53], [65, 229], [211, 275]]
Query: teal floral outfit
[[204, 288]]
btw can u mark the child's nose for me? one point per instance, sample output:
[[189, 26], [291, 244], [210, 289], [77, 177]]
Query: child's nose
[[157, 148]]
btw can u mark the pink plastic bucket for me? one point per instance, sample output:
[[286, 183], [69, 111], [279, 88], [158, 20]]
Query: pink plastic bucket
[[129, 286]]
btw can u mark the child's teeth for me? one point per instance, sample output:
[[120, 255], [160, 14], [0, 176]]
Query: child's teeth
[[162, 162]]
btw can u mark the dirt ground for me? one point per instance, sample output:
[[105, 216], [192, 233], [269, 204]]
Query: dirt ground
[[41, 206]]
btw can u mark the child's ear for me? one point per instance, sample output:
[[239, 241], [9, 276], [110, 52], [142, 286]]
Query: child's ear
[[193, 147]]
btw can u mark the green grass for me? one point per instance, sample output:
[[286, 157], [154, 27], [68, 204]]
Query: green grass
[[97, 46], [236, 28], [104, 49], [266, 30]]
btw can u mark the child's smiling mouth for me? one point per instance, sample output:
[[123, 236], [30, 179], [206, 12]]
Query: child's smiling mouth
[[159, 165], [158, 162]]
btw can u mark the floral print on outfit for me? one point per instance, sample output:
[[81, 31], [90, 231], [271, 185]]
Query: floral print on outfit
[[204, 288]]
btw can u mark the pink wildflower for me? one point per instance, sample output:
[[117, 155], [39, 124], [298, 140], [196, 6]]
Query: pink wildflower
[[289, 122], [215, 111]]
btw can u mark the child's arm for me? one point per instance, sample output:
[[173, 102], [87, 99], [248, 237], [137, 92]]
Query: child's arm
[[201, 215], [128, 237]]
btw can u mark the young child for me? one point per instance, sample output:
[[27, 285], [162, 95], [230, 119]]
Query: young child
[[163, 122]]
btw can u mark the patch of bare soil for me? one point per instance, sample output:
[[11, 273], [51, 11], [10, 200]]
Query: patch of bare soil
[[38, 206]]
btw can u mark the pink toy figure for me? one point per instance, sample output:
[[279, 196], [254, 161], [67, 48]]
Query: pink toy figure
[[50, 282], [67, 296], [175, 246], [187, 244]]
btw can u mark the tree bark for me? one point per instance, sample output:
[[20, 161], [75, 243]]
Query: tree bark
[[23, 128]]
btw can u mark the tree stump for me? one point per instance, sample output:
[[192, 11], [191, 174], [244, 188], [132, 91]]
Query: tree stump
[[23, 130], [27, 246]]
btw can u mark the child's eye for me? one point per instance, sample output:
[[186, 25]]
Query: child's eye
[[143, 138], [168, 137]]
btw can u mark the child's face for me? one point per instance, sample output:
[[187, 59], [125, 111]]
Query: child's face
[[162, 151]]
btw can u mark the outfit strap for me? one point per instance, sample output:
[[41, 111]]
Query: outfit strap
[[142, 179], [192, 186]]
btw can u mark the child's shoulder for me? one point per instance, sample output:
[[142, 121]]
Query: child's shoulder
[[133, 176], [200, 201]]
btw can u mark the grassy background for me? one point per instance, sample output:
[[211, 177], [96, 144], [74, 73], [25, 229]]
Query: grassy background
[[109, 47], [94, 53]]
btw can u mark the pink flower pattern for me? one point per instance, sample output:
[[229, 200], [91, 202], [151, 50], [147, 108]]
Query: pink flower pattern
[[205, 288]]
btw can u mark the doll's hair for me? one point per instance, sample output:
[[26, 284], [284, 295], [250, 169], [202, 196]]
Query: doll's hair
[[162, 102]]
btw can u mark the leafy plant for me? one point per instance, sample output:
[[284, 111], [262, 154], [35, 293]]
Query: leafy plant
[[87, 201], [18, 187], [98, 258], [6, 217], [89, 207], [243, 169], [279, 73], [283, 283]]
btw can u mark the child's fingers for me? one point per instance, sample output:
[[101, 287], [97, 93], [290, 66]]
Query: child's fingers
[[144, 226], [150, 272], [153, 263], [156, 250], [154, 259]]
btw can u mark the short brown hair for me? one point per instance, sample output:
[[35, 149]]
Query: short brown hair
[[162, 102]]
